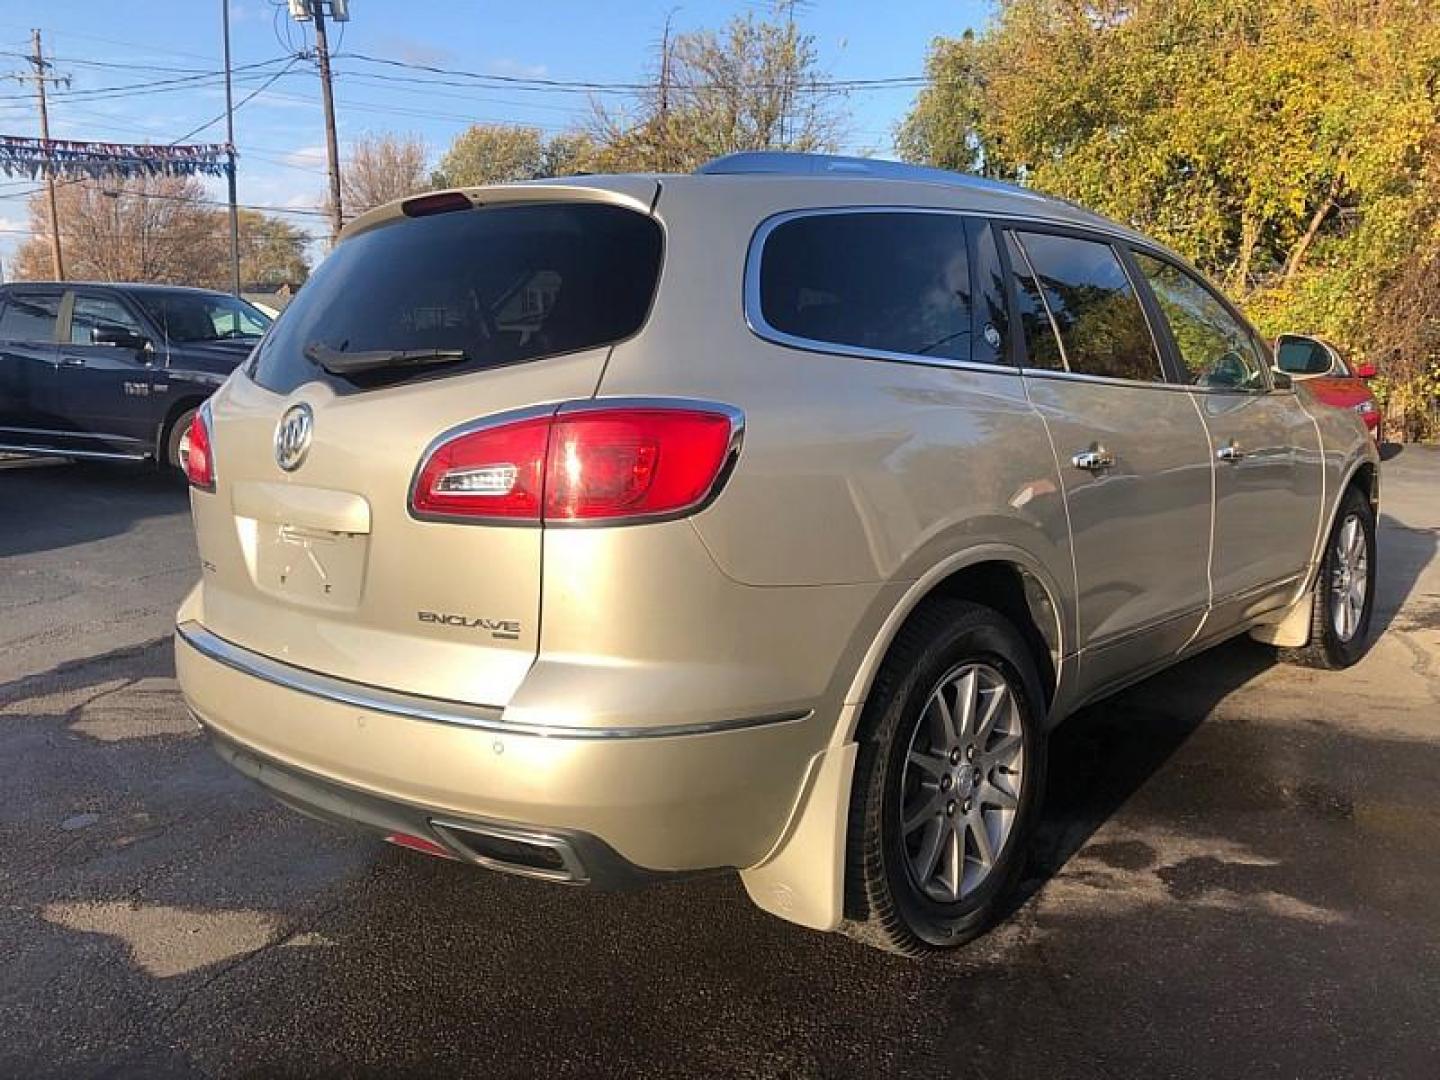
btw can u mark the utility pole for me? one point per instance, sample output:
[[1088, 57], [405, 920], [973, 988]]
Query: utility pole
[[332, 151], [304, 11], [230, 157], [664, 102], [39, 63]]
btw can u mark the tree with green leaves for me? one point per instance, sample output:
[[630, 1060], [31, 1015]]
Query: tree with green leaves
[[1286, 146], [507, 153]]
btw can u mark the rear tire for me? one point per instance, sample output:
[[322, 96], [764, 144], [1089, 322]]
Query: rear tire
[[177, 440], [948, 781], [1343, 597]]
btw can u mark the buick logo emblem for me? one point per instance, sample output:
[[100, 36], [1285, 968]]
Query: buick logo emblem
[[292, 436]]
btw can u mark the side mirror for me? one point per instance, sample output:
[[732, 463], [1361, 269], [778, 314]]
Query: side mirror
[[119, 337], [1280, 381], [1365, 369], [1301, 356]]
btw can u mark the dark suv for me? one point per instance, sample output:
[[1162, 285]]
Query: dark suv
[[114, 371]]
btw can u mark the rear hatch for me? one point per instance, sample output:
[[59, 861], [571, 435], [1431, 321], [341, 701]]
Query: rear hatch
[[508, 305]]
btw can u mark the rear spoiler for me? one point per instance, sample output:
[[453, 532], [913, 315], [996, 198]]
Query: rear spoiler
[[636, 192]]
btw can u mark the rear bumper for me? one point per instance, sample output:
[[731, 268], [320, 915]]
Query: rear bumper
[[562, 855], [617, 804]]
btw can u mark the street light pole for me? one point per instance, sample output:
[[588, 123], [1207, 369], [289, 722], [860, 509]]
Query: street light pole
[[230, 156]]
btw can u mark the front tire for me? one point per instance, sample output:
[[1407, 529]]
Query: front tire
[[948, 781], [1343, 599]]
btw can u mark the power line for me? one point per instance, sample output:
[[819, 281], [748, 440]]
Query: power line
[[182, 82], [583, 86], [253, 94], [142, 46]]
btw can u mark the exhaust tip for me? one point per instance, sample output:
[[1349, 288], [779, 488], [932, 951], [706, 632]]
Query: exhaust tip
[[537, 855]]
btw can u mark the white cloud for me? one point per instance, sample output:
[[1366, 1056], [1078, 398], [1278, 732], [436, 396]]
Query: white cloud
[[504, 65]]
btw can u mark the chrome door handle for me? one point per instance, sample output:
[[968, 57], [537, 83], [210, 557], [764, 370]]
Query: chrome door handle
[[72, 361], [1094, 459], [1231, 451]]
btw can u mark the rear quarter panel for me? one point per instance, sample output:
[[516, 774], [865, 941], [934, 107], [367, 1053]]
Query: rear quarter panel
[[854, 471]]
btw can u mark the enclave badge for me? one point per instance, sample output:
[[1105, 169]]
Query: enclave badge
[[292, 436]]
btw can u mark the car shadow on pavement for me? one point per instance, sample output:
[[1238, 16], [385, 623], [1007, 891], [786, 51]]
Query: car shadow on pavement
[[1405, 552], [1105, 753], [49, 503]]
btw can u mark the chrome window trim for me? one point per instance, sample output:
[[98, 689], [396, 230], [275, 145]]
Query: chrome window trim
[[755, 317], [488, 718]]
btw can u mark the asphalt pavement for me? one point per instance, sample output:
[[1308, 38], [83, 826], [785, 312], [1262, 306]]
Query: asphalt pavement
[[1237, 875]]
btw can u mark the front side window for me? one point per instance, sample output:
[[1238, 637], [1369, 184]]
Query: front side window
[[187, 317], [895, 282], [93, 313], [30, 317], [1216, 349], [1097, 316]]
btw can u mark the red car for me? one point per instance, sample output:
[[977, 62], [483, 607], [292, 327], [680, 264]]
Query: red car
[[1329, 378]]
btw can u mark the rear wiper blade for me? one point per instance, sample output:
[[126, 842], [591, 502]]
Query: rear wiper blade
[[341, 362]]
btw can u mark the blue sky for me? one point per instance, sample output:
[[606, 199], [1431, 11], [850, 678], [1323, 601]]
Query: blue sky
[[279, 132]]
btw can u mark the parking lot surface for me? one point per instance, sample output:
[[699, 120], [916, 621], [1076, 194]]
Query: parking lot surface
[[1237, 875]]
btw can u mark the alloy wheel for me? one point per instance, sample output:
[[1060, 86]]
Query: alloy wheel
[[961, 783], [1350, 577]]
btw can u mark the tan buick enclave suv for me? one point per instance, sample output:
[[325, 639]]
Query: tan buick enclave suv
[[763, 519]]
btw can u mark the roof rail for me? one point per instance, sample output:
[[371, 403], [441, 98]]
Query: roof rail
[[782, 163]]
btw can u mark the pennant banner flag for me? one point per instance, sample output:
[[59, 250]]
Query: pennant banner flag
[[21, 156]]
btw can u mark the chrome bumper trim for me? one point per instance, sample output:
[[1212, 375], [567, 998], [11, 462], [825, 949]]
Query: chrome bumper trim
[[434, 710]]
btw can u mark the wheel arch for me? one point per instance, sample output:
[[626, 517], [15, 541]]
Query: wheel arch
[[1008, 579], [1363, 475], [176, 409], [803, 878]]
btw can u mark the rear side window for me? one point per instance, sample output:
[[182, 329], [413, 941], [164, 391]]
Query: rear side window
[[30, 316], [1090, 301], [501, 284], [1042, 347], [896, 282]]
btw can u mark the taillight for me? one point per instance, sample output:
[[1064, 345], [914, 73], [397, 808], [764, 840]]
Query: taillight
[[495, 472], [199, 455], [589, 465]]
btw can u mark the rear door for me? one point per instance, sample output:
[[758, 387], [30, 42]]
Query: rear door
[[106, 388], [1132, 451], [1268, 466], [29, 407], [319, 562]]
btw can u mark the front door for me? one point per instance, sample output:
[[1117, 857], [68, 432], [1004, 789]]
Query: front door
[[105, 376], [1268, 470], [29, 414], [1131, 449]]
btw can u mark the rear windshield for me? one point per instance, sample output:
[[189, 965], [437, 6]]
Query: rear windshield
[[500, 284]]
